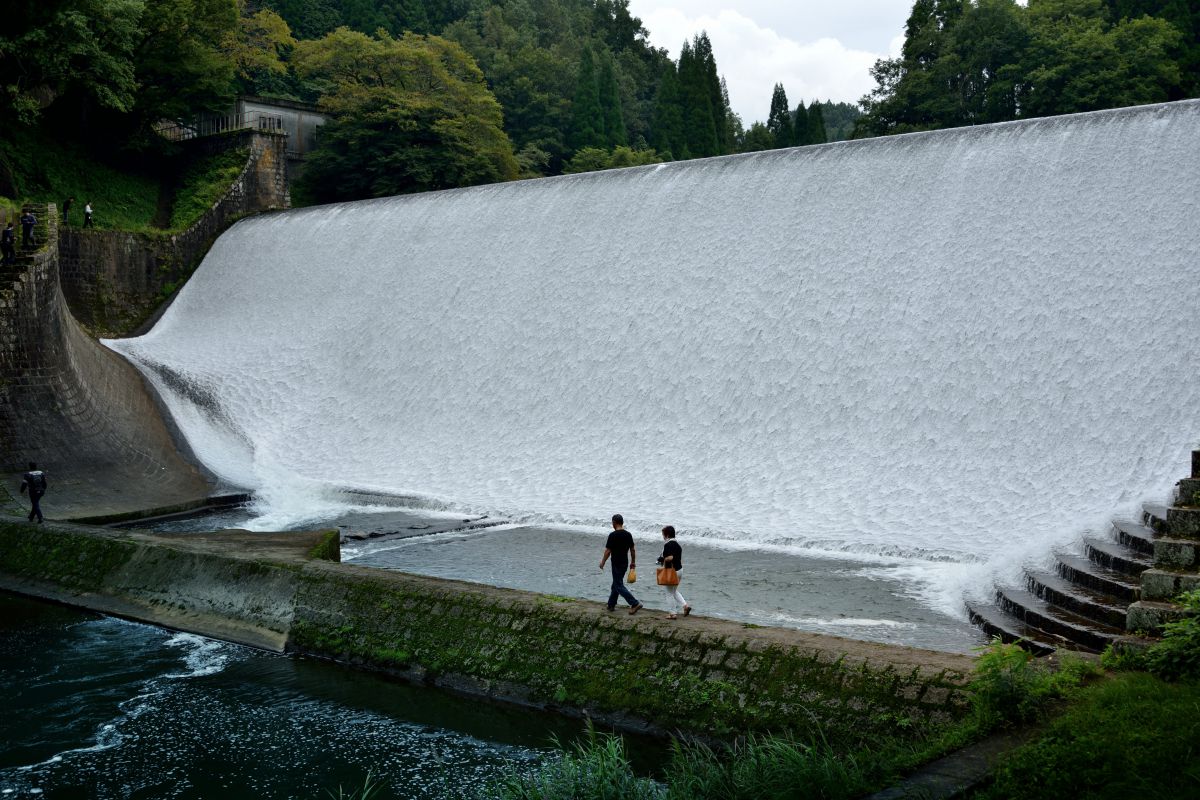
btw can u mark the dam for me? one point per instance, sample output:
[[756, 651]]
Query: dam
[[953, 351]]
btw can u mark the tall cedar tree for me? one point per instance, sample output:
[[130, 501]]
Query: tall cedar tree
[[702, 48], [816, 124], [610, 106], [699, 118], [587, 116], [800, 125], [779, 121], [667, 131]]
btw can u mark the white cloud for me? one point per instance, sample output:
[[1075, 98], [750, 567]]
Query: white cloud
[[754, 58]]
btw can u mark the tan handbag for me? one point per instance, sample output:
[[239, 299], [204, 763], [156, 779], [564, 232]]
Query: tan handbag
[[632, 576], [667, 576]]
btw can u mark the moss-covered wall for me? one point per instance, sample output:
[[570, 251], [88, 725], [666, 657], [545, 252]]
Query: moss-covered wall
[[696, 674]]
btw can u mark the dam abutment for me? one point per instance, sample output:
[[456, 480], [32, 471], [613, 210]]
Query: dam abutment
[[76, 408], [114, 281], [284, 592]]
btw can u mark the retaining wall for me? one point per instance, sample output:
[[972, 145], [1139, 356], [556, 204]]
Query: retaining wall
[[115, 280], [694, 674], [82, 412]]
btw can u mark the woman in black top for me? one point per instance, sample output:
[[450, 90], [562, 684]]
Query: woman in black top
[[672, 556]]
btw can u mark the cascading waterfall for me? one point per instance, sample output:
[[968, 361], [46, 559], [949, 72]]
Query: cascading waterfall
[[960, 347]]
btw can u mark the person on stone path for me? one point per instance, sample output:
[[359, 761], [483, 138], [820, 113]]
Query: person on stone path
[[35, 482], [70, 201], [672, 556], [87, 214], [8, 244], [621, 550], [28, 220]]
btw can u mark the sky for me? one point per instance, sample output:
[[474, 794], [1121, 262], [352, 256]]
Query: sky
[[816, 49]]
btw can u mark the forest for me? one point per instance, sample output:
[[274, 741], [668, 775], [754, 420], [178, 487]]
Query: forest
[[427, 94]]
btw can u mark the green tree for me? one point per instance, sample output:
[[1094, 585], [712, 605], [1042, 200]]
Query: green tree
[[84, 49], [779, 121], [718, 97], [734, 130], [592, 159], [700, 126], [587, 116], [667, 130], [800, 125], [610, 106], [183, 64], [816, 124], [407, 114], [1184, 16], [1077, 61], [758, 137]]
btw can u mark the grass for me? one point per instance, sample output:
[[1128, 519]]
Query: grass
[[1134, 735], [1008, 688], [595, 768], [203, 183], [46, 169]]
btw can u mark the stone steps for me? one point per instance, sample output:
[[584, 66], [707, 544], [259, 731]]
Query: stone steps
[[1136, 537], [1079, 632], [1115, 556], [1090, 575], [996, 623], [1154, 515], [1090, 604]]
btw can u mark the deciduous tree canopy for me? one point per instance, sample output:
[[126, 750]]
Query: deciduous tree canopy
[[409, 114]]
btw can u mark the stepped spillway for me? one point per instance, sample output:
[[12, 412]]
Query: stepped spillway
[[943, 349]]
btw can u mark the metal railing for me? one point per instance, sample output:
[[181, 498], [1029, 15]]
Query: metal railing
[[213, 124]]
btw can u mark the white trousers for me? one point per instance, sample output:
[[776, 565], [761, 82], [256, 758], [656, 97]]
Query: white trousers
[[677, 601]]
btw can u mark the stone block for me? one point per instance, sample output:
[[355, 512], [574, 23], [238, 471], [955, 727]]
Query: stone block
[[1148, 616], [1176, 554], [1163, 584], [1183, 522], [1188, 492]]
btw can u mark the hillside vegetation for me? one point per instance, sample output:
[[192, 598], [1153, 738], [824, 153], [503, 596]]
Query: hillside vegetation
[[429, 94]]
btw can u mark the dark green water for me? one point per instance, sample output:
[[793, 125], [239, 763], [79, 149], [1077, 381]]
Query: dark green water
[[96, 707]]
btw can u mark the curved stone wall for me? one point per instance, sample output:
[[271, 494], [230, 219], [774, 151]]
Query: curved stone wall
[[76, 408]]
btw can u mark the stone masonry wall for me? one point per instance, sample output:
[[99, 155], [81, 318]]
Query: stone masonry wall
[[75, 407], [693, 674], [114, 280]]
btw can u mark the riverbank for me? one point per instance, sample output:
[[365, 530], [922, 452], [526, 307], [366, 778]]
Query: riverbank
[[287, 592]]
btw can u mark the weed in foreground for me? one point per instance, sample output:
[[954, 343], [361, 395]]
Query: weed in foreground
[[595, 768], [370, 789], [1010, 687]]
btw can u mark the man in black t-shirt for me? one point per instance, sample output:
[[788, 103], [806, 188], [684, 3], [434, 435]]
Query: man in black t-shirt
[[35, 482], [621, 550]]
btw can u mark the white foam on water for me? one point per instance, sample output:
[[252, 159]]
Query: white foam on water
[[840, 622], [962, 347]]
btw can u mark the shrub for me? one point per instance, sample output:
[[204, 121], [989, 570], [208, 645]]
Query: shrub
[[1009, 686], [1178, 654], [764, 768], [595, 768]]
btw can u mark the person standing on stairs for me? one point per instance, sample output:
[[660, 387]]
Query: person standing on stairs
[[8, 244], [28, 220]]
